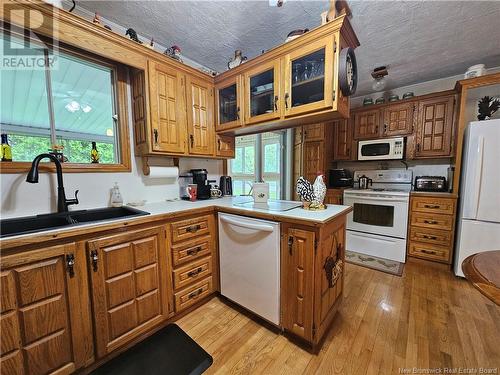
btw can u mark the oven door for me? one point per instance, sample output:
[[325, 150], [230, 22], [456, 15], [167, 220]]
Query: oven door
[[381, 215]]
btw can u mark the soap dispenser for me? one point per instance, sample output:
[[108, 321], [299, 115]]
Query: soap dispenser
[[116, 196]]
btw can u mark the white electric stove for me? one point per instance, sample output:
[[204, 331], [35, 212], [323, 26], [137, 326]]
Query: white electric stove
[[378, 224]]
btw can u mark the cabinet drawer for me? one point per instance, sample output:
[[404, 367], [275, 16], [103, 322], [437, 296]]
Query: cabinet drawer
[[194, 293], [435, 221], [191, 250], [433, 205], [192, 272], [190, 228], [428, 251], [433, 236]]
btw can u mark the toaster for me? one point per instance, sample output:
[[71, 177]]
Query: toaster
[[430, 183]]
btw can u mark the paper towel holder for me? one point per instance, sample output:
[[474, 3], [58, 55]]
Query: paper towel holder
[[145, 165]]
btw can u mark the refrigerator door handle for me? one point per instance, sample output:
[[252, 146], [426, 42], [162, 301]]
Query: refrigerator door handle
[[479, 175]]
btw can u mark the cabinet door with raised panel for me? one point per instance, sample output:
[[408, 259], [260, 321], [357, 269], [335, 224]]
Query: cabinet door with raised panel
[[297, 254], [131, 290], [342, 139], [167, 102], [201, 125], [398, 119], [367, 124], [313, 159], [45, 321], [314, 132], [434, 127]]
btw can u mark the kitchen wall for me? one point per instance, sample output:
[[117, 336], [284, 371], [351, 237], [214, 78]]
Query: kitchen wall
[[19, 198]]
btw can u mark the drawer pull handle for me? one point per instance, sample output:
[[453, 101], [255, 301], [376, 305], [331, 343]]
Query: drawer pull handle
[[195, 272], [193, 228], [193, 251], [195, 294], [70, 263], [431, 206], [430, 237], [430, 221], [428, 252], [94, 258]]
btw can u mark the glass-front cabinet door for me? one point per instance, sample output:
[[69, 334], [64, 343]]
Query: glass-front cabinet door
[[309, 77], [229, 103], [262, 92]]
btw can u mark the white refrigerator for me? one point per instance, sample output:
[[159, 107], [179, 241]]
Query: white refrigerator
[[478, 226]]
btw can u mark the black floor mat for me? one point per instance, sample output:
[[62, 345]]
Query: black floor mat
[[168, 351]]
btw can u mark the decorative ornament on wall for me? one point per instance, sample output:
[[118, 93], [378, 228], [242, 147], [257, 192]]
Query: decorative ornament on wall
[[378, 75], [237, 60], [133, 35], [348, 72], [487, 106], [174, 52]]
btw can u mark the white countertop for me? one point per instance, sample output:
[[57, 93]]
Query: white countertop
[[161, 208], [176, 206]]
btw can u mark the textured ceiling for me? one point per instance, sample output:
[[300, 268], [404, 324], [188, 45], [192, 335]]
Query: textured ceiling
[[417, 40]]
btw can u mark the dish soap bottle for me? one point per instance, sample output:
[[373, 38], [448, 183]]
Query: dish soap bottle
[[116, 196], [6, 150], [94, 154]]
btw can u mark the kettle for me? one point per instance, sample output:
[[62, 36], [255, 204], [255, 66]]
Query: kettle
[[364, 182]]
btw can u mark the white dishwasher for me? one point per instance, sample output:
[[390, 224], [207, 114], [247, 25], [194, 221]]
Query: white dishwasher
[[249, 251]]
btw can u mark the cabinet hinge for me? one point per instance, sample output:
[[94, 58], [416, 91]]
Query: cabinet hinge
[[334, 46], [314, 330], [333, 95], [315, 246]]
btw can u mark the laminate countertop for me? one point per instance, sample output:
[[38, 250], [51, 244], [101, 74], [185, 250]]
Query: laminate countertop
[[171, 209]]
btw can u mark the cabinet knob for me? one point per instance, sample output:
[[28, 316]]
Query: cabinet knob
[[93, 259], [70, 264], [155, 132], [276, 102], [191, 139], [286, 100]]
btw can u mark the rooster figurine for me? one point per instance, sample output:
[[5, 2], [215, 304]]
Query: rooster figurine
[[487, 106], [319, 189], [305, 190]]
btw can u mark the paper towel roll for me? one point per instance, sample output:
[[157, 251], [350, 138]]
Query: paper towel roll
[[163, 172]]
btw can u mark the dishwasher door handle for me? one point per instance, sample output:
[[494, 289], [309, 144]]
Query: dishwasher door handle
[[259, 227]]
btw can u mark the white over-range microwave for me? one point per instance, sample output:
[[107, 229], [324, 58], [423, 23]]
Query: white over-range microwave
[[381, 149]]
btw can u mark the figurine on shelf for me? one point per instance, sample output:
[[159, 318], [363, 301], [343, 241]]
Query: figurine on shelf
[[133, 35], [97, 19], [237, 60], [305, 189], [312, 195], [94, 154], [319, 189], [174, 52], [151, 44]]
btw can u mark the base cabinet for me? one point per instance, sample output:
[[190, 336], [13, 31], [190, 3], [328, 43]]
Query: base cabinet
[[130, 290], [312, 278], [44, 312]]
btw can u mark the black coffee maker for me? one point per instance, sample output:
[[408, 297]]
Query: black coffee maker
[[200, 178]]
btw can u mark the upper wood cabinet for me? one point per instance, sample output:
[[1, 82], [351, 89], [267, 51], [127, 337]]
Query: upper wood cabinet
[[200, 110], [262, 90], [434, 127], [367, 124], [228, 103], [167, 101], [342, 140], [308, 77], [398, 119], [45, 318], [130, 287], [224, 146]]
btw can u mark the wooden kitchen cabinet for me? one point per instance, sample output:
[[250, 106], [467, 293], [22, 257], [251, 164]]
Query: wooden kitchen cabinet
[[334, 196], [229, 103], [200, 109], [398, 119], [167, 101], [343, 146], [262, 91], [45, 317], [130, 288], [434, 127], [308, 77], [225, 146], [367, 124], [312, 278]]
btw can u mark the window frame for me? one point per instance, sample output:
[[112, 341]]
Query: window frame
[[120, 90]]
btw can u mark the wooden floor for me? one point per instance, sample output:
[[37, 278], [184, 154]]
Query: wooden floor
[[427, 318]]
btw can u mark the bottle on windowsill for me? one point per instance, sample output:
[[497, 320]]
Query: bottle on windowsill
[[6, 149], [94, 154]]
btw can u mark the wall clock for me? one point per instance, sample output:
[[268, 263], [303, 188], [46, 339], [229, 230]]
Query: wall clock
[[348, 72]]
